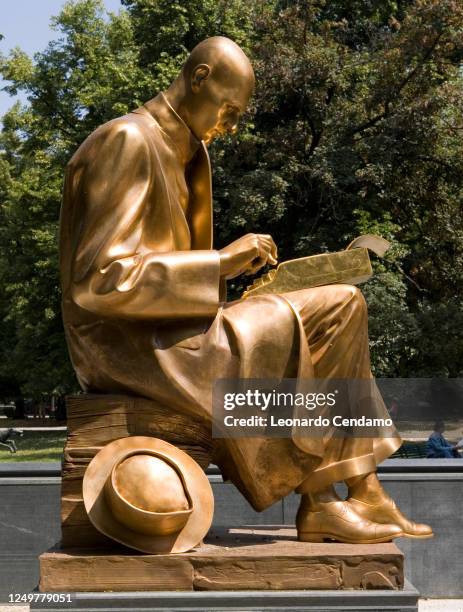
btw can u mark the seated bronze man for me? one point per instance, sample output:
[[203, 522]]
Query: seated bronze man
[[145, 313]]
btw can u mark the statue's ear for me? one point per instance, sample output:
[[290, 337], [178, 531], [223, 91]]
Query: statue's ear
[[200, 74]]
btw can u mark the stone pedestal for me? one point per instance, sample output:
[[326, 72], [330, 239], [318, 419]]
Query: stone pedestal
[[245, 559], [405, 600], [247, 568]]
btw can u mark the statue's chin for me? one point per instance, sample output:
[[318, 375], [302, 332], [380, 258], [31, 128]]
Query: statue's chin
[[212, 135], [209, 137]]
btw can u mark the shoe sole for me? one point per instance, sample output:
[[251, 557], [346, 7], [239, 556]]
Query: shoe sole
[[416, 537], [323, 537]]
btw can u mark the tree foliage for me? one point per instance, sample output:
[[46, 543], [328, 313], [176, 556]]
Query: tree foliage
[[355, 127]]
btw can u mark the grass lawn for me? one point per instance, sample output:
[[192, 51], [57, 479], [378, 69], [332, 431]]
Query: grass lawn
[[36, 446]]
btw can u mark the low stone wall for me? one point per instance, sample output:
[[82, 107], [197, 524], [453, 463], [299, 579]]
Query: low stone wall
[[29, 522], [428, 490]]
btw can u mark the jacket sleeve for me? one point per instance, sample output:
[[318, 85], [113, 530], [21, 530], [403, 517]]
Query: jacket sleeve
[[113, 271]]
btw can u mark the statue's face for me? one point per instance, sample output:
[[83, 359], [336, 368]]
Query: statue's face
[[218, 102], [224, 121]]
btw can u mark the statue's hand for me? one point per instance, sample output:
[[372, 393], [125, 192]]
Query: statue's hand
[[247, 255]]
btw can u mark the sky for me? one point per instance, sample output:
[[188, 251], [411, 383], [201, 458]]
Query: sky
[[26, 24]]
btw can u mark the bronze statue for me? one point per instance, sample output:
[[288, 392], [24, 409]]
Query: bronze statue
[[145, 310]]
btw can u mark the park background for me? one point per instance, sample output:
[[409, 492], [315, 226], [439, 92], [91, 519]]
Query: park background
[[355, 127]]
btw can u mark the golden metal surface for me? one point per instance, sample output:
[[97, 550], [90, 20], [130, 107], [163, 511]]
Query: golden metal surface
[[388, 512], [144, 306], [350, 266], [148, 495], [375, 243], [108, 495], [149, 483], [337, 520]]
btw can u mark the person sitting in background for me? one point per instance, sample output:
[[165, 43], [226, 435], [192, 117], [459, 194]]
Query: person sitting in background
[[438, 447]]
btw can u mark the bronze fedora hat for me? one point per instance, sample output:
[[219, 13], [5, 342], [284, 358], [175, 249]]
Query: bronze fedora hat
[[149, 495]]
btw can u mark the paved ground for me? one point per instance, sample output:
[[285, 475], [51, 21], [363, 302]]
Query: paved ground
[[441, 605], [426, 605]]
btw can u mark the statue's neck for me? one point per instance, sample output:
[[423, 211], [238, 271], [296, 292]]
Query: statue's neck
[[173, 125]]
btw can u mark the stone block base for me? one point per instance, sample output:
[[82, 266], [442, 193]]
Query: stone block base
[[244, 559], [405, 600]]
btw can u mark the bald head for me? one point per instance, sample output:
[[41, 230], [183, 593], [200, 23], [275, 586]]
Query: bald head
[[213, 88], [225, 59]]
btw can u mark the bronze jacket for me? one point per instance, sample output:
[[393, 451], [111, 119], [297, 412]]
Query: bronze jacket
[[142, 306]]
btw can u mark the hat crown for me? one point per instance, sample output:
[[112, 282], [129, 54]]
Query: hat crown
[[111, 503], [150, 483], [138, 477]]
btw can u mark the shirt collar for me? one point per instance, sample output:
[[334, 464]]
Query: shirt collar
[[173, 125]]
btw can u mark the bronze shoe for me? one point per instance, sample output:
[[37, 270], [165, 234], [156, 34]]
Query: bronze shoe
[[388, 512], [337, 520]]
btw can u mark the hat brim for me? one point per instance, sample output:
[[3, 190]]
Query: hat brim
[[100, 514]]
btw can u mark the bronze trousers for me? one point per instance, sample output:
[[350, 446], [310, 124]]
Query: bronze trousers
[[335, 320]]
